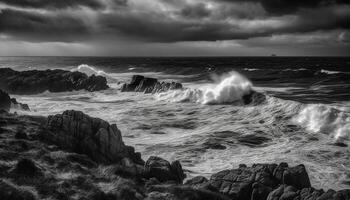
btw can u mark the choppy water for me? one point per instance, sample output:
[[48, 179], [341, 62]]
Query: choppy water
[[305, 117]]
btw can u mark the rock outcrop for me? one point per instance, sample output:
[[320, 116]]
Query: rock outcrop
[[94, 137], [35, 81], [149, 85], [6, 102], [163, 171]]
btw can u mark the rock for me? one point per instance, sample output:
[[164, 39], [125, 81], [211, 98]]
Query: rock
[[176, 192], [26, 167], [236, 183], [78, 132], [140, 83], [35, 81], [8, 191], [5, 101], [20, 134], [164, 171], [297, 177], [19, 106]]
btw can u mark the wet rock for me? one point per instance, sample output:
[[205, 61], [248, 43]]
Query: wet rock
[[78, 132], [20, 134], [236, 183], [8, 191], [19, 106], [297, 177], [164, 171], [140, 83], [35, 81], [5, 101], [175, 192], [26, 167]]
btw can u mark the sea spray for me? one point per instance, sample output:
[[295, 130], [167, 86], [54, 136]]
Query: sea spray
[[88, 70], [325, 119], [232, 88], [229, 88]]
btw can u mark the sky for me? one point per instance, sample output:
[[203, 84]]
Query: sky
[[174, 27]]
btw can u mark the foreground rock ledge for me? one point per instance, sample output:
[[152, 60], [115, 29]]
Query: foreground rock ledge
[[32, 168], [94, 137], [38, 81]]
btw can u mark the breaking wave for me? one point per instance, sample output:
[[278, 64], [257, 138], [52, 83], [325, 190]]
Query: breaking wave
[[320, 118], [230, 89], [88, 70], [329, 72]]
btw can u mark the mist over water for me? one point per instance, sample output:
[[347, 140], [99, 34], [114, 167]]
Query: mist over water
[[304, 117]]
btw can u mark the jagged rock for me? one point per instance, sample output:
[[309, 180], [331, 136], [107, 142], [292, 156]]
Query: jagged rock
[[236, 183], [35, 81], [140, 83], [175, 192], [8, 191], [94, 137], [26, 167], [18, 106], [164, 171], [5, 101], [297, 177]]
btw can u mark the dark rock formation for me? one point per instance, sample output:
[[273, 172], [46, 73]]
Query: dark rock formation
[[5, 101], [164, 171], [8, 191], [18, 106], [26, 167], [149, 85], [35, 81], [94, 137]]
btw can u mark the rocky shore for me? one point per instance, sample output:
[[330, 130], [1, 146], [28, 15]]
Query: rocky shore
[[75, 156], [35, 81], [140, 83]]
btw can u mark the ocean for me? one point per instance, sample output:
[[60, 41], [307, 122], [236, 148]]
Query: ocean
[[304, 117]]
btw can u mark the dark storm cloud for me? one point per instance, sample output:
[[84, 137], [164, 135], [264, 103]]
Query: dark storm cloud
[[168, 20], [196, 11], [54, 4], [42, 27], [281, 7]]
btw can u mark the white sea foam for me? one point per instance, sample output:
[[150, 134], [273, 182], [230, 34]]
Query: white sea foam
[[230, 88], [325, 119], [89, 70], [329, 72], [250, 69]]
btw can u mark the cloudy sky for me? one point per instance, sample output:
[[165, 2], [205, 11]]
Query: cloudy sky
[[175, 27]]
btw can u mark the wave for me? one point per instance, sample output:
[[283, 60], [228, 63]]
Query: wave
[[330, 72], [231, 88], [295, 70], [88, 70], [251, 69], [320, 118]]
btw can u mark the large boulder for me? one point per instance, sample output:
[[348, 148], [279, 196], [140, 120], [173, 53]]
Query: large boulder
[[163, 171], [19, 106], [140, 83], [35, 81], [78, 132], [297, 177], [5, 101], [260, 181]]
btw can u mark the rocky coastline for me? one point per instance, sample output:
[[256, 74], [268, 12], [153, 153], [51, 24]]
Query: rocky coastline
[[75, 156], [37, 81]]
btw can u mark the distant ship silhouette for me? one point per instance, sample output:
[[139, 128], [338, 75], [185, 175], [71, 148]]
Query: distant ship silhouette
[[273, 55]]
